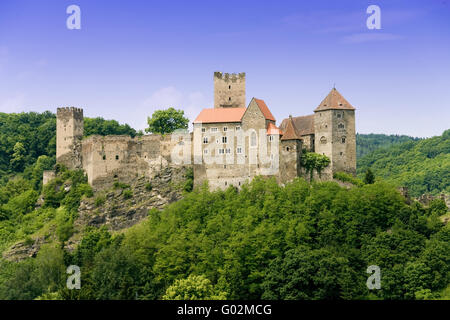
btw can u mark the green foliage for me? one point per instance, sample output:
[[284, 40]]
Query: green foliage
[[148, 186], [120, 185], [313, 161], [100, 200], [421, 165], [193, 288], [345, 177], [367, 143], [104, 127], [369, 177], [25, 137], [189, 183], [167, 121], [127, 194]]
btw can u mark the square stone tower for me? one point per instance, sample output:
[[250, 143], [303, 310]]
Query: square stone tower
[[229, 90], [335, 136], [69, 132]]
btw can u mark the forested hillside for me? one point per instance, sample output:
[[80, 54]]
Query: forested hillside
[[300, 241], [366, 143], [423, 165]]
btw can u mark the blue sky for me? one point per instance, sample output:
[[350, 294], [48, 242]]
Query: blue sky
[[133, 57]]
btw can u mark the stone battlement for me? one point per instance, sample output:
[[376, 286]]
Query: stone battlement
[[69, 112], [229, 76]]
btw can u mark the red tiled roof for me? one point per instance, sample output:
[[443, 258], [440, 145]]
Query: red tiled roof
[[334, 100], [290, 133], [273, 129], [303, 124], [220, 115], [264, 109]]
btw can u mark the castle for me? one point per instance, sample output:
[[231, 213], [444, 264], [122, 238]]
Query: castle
[[230, 143]]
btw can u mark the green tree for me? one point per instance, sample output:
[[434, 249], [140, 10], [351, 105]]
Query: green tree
[[193, 288], [369, 177], [18, 157], [167, 121]]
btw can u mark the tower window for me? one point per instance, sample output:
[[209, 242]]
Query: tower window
[[117, 157], [104, 157], [339, 115], [287, 149], [343, 139], [229, 98], [229, 87], [341, 126]]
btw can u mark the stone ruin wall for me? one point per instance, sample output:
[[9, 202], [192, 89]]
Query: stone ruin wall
[[122, 158]]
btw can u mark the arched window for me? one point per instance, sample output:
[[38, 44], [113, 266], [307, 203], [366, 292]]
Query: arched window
[[253, 141], [341, 126], [343, 140]]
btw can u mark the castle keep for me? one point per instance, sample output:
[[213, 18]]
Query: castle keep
[[230, 143]]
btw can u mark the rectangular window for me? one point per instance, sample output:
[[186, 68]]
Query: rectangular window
[[213, 129], [205, 140], [224, 139], [225, 129], [203, 129], [227, 150], [221, 151], [239, 150], [238, 128], [270, 138], [205, 151]]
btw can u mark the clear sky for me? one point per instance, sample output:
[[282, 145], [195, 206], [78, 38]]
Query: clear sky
[[133, 57]]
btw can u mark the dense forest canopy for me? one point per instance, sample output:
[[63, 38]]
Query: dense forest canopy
[[366, 143], [422, 165], [300, 241]]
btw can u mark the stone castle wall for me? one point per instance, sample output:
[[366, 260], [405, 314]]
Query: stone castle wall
[[122, 158]]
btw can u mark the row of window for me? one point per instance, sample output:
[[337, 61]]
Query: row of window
[[225, 129], [253, 141], [224, 151]]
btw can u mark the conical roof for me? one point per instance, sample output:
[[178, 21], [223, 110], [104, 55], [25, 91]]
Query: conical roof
[[334, 100], [290, 132]]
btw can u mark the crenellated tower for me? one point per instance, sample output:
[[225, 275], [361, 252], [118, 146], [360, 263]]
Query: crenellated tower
[[69, 133], [229, 90]]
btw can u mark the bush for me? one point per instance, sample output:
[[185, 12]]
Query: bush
[[127, 194], [345, 177], [100, 200], [148, 186]]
